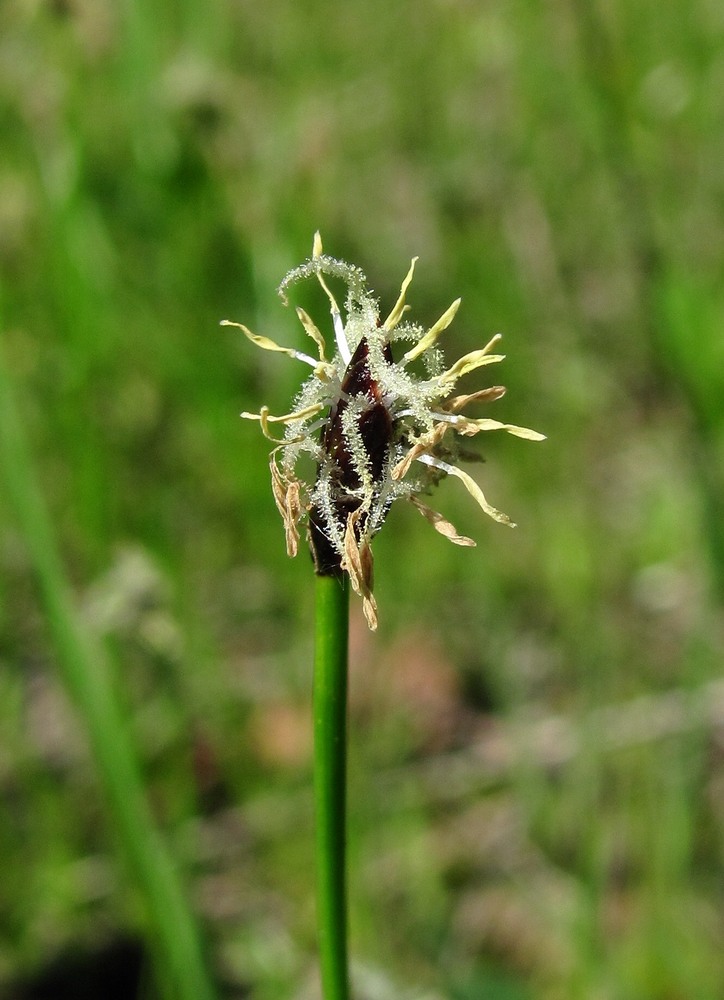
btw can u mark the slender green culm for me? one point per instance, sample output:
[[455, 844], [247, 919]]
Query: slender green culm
[[83, 666], [330, 767]]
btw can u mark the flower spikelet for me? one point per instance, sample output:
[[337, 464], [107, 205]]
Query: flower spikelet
[[379, 420]]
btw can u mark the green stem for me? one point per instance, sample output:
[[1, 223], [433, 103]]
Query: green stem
[[85, 672], [330, 773]]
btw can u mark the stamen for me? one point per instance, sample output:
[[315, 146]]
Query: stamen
[[440, 524], [471, 427], [287, 498], [269, 345], [490, 395], [265, 418], [358, 563], [469, 362], [470, 485], [422, 445], [342, 344], [399, 307], [433, 333], [312, 330]]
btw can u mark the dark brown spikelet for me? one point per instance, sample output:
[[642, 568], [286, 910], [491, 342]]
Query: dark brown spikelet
[[376, 430]]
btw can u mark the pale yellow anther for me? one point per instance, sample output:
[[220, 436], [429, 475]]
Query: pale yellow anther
[[264, 342], [469, 363], [400, 470], [477, 494], [440, 524], [471, 427], [287, 498], [422, 446], [489, 395], [399, 307], [265, 418], [358, 563], [317, 252], [312, 331], [426, 342]]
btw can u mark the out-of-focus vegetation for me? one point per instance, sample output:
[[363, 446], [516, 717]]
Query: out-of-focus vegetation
[[537, 765]]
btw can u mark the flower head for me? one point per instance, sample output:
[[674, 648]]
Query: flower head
[[376, 429]]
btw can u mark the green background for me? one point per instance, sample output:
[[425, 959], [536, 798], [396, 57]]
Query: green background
[[537, 766]]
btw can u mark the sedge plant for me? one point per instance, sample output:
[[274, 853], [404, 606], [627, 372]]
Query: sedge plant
[[381, 421]]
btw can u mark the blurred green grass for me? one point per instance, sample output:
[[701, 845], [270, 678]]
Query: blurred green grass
[[557, 166]]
